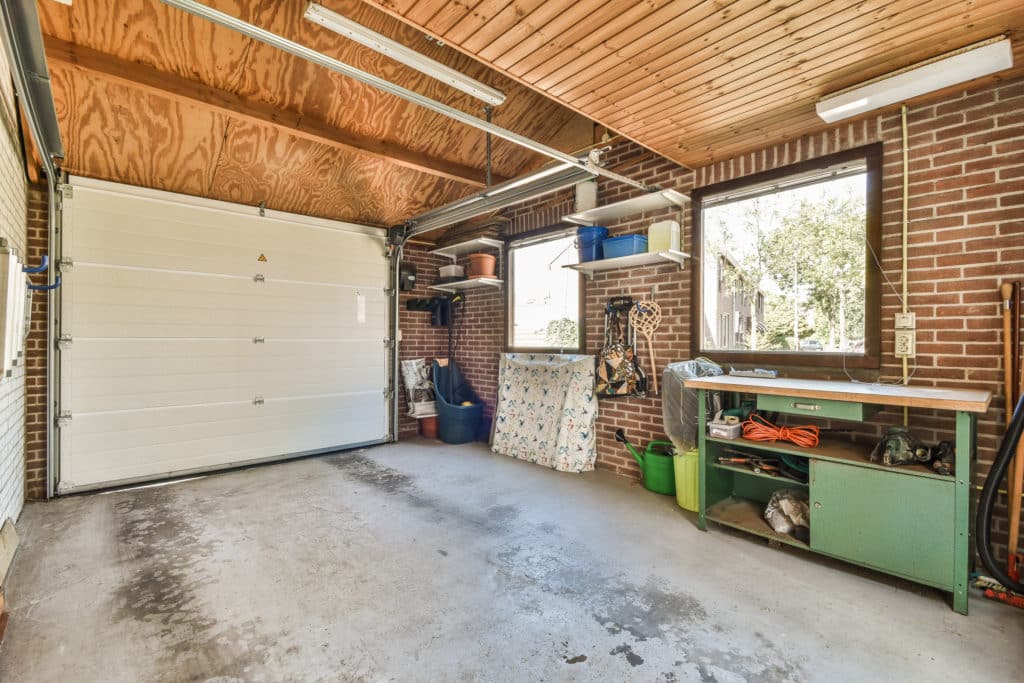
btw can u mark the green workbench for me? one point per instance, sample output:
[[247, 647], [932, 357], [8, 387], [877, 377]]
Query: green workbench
[[907, 521]]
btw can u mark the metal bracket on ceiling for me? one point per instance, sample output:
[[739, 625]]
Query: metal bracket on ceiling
[[397, 234], [263, 208]]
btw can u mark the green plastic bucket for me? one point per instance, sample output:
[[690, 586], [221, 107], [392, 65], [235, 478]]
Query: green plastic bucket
[[687, 494]]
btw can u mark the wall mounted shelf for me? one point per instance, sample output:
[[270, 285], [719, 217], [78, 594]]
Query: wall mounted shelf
[[454, 251], [463, 285], [603, 215], [649, 258]]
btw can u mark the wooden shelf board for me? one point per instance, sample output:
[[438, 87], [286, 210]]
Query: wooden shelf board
[[454, 251], [647, 258], [628, 207], [912, 396], [462, 285], [834, 450], [747, 515], [751, 473]]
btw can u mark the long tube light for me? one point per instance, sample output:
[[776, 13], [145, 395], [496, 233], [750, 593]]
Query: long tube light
[[966, 64], [344, 26], [291, 47], [510, 193]]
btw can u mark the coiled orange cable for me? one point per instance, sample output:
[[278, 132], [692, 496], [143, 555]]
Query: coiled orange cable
[[756, 428]]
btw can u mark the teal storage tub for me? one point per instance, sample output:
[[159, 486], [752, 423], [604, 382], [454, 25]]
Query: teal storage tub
[[627, 245]]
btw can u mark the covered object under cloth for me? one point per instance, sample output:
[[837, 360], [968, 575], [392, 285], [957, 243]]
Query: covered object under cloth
[[546, 410]]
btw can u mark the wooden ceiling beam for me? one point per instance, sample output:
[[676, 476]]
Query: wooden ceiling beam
[[163, 84]]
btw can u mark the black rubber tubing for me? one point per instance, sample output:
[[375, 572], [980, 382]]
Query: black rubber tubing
[[987, 500]]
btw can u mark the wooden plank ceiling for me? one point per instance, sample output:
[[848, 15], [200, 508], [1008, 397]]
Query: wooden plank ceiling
[[701, 80], [151, 96]]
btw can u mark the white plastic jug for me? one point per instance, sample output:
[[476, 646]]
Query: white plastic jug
[[662, 236]]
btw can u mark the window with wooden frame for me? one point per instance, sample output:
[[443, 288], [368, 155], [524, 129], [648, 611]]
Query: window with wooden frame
[[786, 269], [544, 298]]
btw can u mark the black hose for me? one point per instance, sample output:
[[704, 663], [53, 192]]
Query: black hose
[[987, 500]]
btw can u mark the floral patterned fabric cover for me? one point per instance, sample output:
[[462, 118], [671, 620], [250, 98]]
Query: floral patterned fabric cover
[[546, 410]]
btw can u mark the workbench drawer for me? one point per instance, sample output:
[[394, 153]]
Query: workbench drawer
[[895, 522], [816, 407]]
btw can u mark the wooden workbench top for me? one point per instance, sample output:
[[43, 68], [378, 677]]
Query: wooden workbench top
[[938, 398]]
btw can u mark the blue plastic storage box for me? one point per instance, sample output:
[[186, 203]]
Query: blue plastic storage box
[[627, 245], [588, 242]]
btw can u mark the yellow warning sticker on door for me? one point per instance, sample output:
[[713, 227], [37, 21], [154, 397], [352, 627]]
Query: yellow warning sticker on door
[[262, 258]]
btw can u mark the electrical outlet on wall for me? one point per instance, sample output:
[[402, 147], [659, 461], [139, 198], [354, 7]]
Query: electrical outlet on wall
[[905, 347], [906, 321]]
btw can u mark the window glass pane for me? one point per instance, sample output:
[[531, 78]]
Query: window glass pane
[[545, 296], [786, 270]]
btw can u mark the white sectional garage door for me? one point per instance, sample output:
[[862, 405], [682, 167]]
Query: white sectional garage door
[[199, 335]]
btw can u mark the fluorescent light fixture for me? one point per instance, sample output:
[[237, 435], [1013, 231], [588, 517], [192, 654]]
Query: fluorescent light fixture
[[510, 193], [525, 180], [966, 64], [344, 26]]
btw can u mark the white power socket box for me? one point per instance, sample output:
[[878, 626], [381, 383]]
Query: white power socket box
[[905, 344], [906, 321]]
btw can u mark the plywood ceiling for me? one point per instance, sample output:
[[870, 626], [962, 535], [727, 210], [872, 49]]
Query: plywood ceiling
[[149, 95], [701, 80]]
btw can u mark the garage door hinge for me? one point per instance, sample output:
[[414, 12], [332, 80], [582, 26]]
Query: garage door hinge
[[388, 394], [259, 340], [67, 192], [258, 277], [389, 292], [63, 418], [65, 263], [64, 341], [258, 401], [388, 342]]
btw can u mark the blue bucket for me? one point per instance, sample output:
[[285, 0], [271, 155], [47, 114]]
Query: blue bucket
[[588, 242]]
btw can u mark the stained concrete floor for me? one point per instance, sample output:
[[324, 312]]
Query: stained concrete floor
[[431, 563]]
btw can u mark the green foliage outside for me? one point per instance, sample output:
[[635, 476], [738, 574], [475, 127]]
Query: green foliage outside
[[808, 260]]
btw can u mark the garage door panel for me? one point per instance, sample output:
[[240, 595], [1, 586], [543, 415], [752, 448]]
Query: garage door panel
[[117, 446], [179, 358], [113, 375], [182, 238], [111, 302]]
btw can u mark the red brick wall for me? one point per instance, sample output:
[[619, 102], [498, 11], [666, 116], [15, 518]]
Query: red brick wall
[[419, 339], [966, 236], [481, 321], [35, 353]]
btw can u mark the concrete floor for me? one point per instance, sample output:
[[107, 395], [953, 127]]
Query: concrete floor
[[426, 562]]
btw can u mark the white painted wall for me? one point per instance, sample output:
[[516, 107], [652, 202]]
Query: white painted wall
[[13, 192]]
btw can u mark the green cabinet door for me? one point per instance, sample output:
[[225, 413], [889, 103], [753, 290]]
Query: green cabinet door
[[884, 519]]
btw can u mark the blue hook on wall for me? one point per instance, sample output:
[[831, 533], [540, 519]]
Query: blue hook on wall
[[41, 268], [45, 288]]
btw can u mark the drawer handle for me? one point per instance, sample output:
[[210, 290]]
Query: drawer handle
[[807, 406]]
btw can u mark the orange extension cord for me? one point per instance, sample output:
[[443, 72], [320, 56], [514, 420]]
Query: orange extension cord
[[756, 428]]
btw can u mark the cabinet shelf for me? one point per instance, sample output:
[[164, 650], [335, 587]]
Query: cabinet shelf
[[454, 251], [834, 450], [746, 471], [463, 285], [647, 258], [747, 515], [628, 207]]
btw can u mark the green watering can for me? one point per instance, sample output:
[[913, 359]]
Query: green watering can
[[656, 464]]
